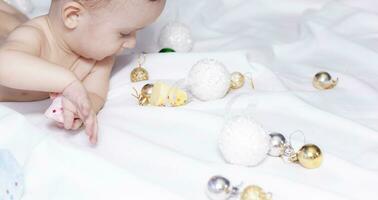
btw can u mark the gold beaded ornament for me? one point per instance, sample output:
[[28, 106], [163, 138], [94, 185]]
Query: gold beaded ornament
[[139, 73]]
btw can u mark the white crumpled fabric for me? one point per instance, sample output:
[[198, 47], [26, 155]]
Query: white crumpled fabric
[[174, 150]]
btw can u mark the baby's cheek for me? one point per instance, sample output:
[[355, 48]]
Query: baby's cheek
[[120, 51]]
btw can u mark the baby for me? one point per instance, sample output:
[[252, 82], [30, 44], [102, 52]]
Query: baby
[[10, 18], [70, 51]]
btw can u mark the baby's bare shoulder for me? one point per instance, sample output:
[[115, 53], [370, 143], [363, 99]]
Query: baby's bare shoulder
[[27, 38]]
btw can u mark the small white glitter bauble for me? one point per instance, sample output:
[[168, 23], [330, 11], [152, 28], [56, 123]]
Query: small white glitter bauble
[[209, 80], [243, 142], [176, 36]]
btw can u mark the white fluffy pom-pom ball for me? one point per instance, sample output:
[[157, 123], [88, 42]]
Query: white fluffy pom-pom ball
[[243, 142], [176, 36], [209, 80]]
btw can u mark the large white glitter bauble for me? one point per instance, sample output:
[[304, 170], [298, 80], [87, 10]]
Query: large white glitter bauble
[[243, 142], [209, 80], [176, 36]]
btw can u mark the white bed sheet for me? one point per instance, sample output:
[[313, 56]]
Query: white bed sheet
[[174, 150]]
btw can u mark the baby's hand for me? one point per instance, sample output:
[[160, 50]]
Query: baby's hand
[[64, 112], [76, 95], [72, 120]]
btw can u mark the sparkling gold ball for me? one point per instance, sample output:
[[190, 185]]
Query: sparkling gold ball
[[147, 90], [310, 156], [323, 81], [254, 192], [237, 80], [139, 74]]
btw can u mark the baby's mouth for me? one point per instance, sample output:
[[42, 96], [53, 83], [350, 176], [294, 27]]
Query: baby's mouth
[[120, 51]]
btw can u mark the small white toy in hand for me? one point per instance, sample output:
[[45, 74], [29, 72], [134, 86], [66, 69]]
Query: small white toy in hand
[[55, 111], [11, 177], [243, 142]]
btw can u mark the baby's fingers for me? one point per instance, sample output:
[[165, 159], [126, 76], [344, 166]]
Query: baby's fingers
[[85, 108], [77, 124], [59, 124], [68, 119], [94, 137], [91, 127]]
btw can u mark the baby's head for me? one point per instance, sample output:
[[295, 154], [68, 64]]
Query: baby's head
[[96, 29]]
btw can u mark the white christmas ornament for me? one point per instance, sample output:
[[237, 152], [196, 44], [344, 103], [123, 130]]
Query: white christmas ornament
[[176, 36], [243, 142], [209, 80]]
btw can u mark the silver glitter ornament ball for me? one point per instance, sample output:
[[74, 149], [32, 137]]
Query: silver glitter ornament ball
[[219, 188], [177, 36], [277, 143]]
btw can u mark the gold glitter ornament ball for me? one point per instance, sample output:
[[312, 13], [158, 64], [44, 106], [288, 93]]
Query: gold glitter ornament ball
[[254, 192], [139, 74], [310, 156], [237, 80]]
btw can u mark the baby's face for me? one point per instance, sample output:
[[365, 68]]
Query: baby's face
[[108, 31]]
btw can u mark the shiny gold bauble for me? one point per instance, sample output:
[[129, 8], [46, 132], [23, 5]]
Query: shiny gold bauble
[[147, 90], [237, 80], [324, 81], [310, 156], [144, 101], [254, 192], [139, 74]]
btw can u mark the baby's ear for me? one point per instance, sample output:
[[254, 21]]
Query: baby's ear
[[71, 13]]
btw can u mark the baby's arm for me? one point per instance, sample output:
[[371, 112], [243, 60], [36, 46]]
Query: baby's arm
[[10, 18], [97, 82], [21, 68]]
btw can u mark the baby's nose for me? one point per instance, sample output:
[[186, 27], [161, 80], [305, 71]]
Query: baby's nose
[[130, 42]]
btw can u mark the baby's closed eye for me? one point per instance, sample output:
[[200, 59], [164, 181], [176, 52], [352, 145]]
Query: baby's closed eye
[[124, 35]]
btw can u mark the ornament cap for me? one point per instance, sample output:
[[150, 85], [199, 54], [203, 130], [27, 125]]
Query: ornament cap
[[167, 50]]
